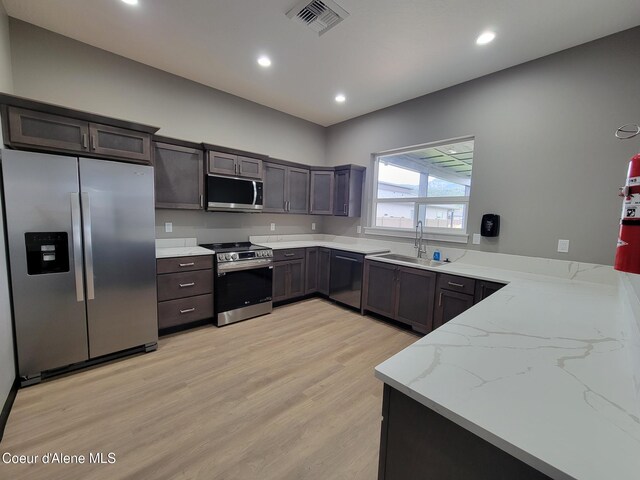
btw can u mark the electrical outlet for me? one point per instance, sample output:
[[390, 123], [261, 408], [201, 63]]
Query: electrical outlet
[[476, 239], [168, 227], [563, 246], [313, 226], [358, 229], [273, 227]]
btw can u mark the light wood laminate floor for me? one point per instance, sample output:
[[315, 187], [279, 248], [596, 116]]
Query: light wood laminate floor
[[291, 395]]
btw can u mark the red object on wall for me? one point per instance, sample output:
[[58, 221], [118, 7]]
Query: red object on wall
[[628, 250]]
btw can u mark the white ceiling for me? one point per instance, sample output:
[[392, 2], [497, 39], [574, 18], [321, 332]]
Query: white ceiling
[[385, 52]]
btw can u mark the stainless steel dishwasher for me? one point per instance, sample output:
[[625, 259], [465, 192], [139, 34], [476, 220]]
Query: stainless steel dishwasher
[[346, 277]]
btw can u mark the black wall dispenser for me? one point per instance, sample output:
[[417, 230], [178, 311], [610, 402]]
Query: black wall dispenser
[[490, 225]]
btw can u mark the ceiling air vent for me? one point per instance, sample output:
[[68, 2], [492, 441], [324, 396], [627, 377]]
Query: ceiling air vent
[[319, 15]]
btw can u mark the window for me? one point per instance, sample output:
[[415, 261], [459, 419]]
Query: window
[[429, 184]]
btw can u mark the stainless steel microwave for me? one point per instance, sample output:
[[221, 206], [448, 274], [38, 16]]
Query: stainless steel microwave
[[234, 194]]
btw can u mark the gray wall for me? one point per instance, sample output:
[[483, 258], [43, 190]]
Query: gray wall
[[546, 159], [57, 69], [7, 365], [232, 227]]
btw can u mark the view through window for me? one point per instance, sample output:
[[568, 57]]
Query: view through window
[[430, 183]]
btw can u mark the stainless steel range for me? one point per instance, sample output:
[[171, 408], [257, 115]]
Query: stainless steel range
[[243, 282]]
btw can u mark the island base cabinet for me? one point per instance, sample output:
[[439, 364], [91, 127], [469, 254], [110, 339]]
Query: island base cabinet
[[416, 442]]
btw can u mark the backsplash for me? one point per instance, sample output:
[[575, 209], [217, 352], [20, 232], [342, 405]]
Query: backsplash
[[209, 227]]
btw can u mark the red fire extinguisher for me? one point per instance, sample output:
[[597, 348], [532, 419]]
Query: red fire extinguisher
[[628, 249]]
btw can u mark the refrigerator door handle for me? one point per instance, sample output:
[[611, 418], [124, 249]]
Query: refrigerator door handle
[[77, 245], [88, 247]]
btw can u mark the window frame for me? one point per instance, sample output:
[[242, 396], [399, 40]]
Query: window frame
[[431, 233]]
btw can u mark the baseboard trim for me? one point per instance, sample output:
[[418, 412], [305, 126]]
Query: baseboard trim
[[6, 409]]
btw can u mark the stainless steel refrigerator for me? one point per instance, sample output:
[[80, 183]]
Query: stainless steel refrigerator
[[81, 242]]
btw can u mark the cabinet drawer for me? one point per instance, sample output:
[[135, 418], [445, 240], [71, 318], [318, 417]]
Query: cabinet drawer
[[456, 284], [188, 284], [290, 254], [184, 264], [184, 310]]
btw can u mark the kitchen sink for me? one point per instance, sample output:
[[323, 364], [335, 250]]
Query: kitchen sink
[[409, 259]]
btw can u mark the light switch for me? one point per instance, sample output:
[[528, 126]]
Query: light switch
[[358, 229], [168, 227], [273, 227], [313, 226], [476, 239], [563, 246]]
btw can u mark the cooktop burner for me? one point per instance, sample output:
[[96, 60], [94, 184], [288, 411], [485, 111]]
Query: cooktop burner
[[233, 247]]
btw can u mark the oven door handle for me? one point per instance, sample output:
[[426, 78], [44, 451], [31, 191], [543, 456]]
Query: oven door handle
[[239, 266], [255, 193]]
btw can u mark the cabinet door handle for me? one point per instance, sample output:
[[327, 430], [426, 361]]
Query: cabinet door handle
[[481, 290], [93, 142], [184, 285], [345, 209], [459, 285], [289, 254], [190, 264], [201, 201], [84, 140], [440, 300], [188, 310]]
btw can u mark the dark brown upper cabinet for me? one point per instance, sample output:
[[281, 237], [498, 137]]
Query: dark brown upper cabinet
[[179, 176], [50, 132], [348, 191], [30, 128], [111, 141], [321, 197], [222, 163], [286, 189]]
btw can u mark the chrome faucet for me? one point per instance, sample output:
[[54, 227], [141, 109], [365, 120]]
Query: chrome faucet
[[419, 239]]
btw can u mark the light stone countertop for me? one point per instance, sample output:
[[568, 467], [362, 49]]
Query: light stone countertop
[[347, 247], [169, 252], [543, 369], [179, 247]]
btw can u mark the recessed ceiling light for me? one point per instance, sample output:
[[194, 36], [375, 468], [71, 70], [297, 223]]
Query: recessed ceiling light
[[130, 2], [485, 37], [264, 61], [340, 98], [452, 151]]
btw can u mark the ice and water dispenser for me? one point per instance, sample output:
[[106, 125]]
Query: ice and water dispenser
[[47, 252]]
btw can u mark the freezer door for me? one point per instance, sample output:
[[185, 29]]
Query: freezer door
[[45, 255], [119, 247]]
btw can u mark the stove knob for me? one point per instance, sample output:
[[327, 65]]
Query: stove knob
[[260, 253], [234, 256], [227, 256], [220, 257]]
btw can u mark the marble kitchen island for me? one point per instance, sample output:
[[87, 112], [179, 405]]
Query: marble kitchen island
[[545, 370]]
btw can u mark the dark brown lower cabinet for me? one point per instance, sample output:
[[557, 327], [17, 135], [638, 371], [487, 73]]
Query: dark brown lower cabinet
[[485, 288], [401, 293], [311, 271], [324, 270], [449, 305], [288, 279], [419, 443], [185, 290]]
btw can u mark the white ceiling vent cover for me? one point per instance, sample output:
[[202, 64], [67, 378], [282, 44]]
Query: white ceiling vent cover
[[319, 15]]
